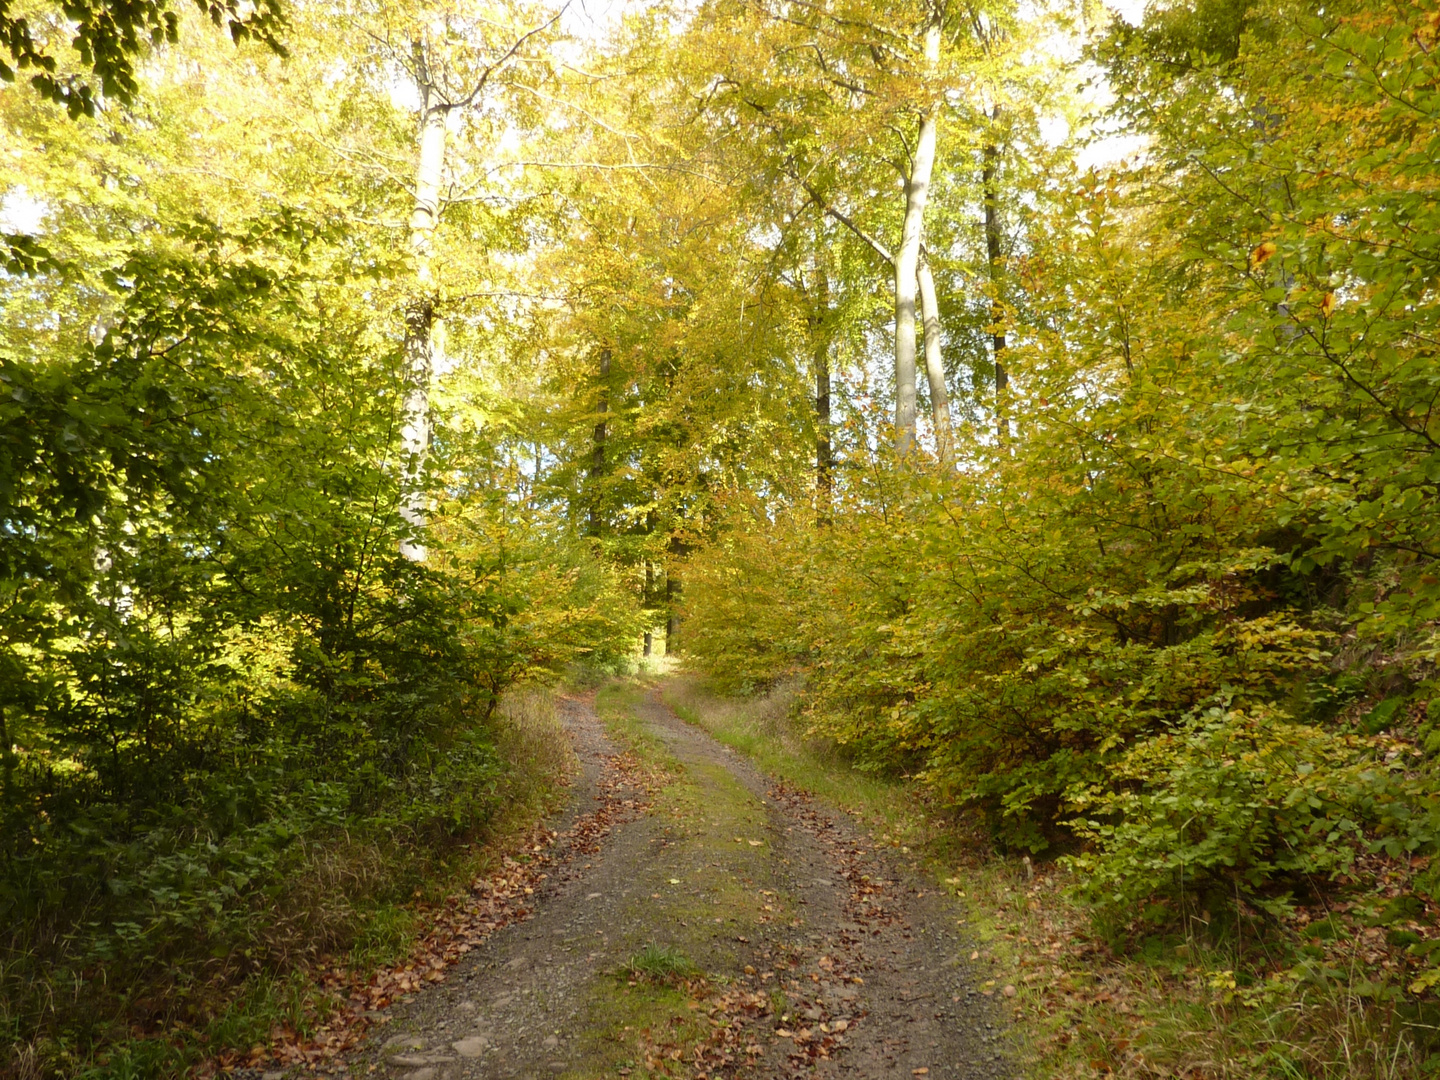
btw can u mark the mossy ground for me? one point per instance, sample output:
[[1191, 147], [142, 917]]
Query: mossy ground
[[710, 870]]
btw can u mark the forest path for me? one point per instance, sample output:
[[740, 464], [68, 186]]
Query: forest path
[[819, 957]]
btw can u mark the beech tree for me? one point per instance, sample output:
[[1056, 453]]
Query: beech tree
[[367, 366]]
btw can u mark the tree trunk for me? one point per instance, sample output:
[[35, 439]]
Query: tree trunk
[[415, 431], [820, 327], [989, 183], [8, 760], [423, 332], [646, 599], [597, 452], [917, 191], [935, 365], [672, 620], [824, 452], [905, 287]]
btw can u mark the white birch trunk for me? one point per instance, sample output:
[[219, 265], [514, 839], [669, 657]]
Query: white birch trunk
[[423, 333]]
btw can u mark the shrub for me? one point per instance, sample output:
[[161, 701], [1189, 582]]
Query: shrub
[[1247, 801]]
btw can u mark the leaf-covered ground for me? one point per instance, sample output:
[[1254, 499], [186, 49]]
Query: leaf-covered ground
[[689, 917]]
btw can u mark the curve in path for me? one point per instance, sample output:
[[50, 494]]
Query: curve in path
[[820, 958]]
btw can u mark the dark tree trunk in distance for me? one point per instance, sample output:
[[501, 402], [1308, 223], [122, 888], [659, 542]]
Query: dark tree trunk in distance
[[597, 453]]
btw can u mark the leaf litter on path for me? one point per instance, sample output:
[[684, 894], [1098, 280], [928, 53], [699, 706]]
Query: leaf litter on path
[[507, 895], [829, 972]]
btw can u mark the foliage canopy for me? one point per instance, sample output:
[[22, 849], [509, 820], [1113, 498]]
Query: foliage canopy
[[371, 363]]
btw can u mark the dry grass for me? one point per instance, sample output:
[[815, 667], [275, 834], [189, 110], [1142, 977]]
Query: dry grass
[[768, 719], [23, 1064], [532, 742], [1171, 1006]]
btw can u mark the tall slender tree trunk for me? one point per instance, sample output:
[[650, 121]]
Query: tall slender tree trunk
[[672, 619], [820, 325], [935, 364], [423, 329], [824, 451], [907, 258], [990, 188], [597, 450], [8, 761], [645, 603]]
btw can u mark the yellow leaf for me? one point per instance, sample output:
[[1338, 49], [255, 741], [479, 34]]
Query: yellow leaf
[[1262, 253]]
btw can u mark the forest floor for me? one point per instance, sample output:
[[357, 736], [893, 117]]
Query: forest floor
[[688, 916], [723, 897]]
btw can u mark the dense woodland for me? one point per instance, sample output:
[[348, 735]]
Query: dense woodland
[[1051, 396]]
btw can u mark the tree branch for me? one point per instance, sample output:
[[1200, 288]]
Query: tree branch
[[844, 219]]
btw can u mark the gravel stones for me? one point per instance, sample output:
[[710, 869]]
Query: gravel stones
[[472, 1047], [824, 908]]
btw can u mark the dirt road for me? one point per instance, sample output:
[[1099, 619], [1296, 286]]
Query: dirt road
[[717, 926]]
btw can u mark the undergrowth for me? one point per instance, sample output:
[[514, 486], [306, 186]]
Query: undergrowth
[[1197, 989], [659, 964], [353, 894]]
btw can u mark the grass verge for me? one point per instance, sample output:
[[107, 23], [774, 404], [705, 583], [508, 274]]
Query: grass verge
[[1095, 1000], [358, 902]]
